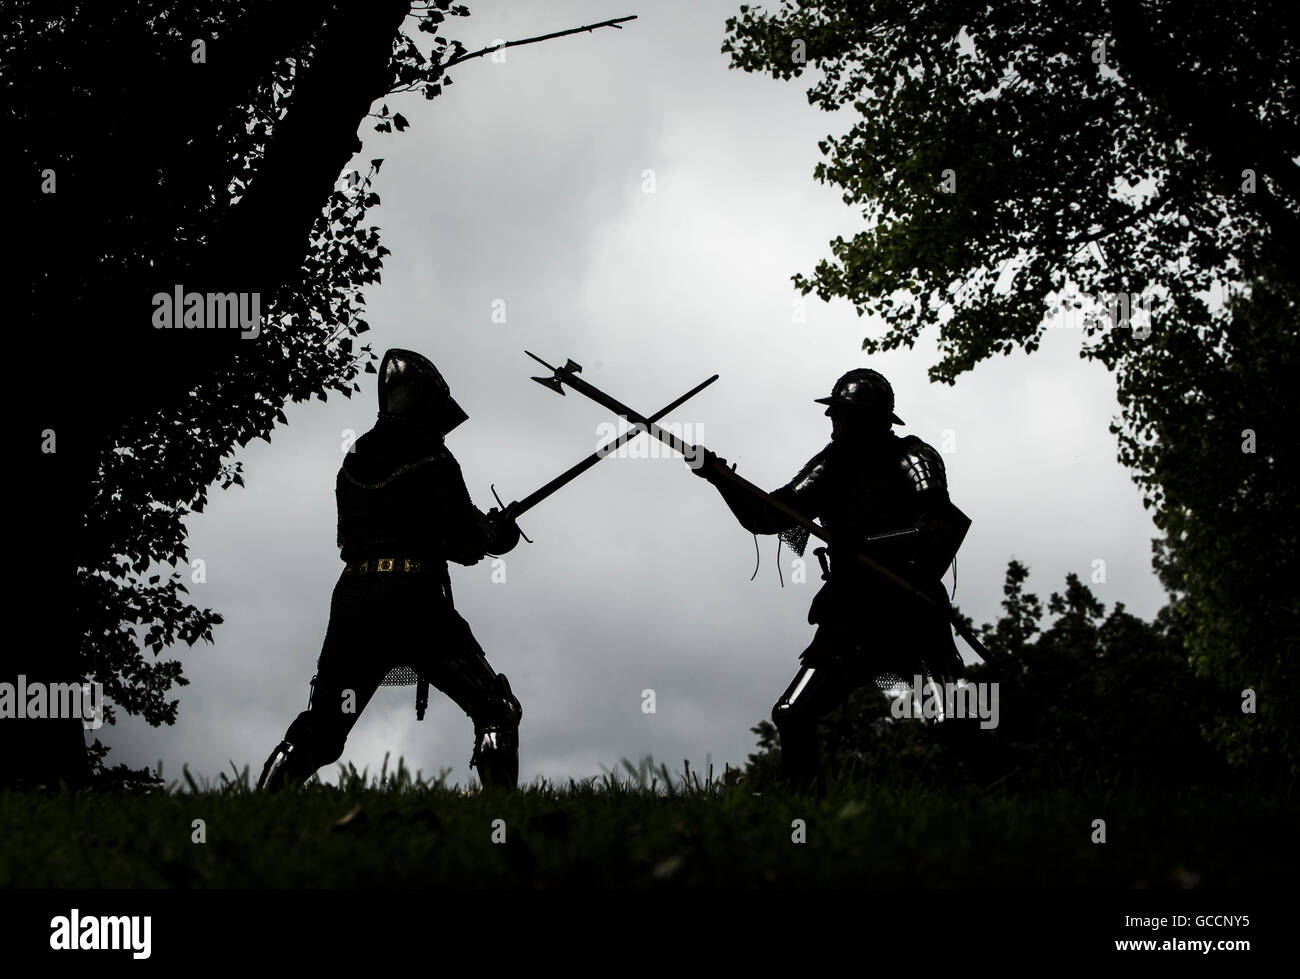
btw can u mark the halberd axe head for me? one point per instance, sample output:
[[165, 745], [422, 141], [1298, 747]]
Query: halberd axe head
[[551, 382]]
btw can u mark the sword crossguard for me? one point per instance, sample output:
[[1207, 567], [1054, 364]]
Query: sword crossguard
[[505, 510]]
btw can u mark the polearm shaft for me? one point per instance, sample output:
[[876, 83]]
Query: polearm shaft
[[566, 375], [573, 472]]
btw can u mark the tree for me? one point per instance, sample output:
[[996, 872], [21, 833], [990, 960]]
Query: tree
[[155, 145], [1133, 160], [1227, 495], [138, 133]]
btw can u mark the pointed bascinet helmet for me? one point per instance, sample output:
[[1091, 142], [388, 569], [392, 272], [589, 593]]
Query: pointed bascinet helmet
[[411, 386], [863, 388]]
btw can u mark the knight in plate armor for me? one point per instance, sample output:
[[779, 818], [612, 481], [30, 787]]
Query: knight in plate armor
[[866, 483], [403, 513]]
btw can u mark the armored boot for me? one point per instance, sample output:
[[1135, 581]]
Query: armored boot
[[801, 768], [288, 766], [496, 756]]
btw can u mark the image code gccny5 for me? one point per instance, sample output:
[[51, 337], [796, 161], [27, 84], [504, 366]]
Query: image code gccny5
[[690, 447]]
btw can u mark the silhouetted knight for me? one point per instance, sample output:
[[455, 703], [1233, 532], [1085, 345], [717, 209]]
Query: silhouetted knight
[[403, 513], [876, 494], [883, 616]]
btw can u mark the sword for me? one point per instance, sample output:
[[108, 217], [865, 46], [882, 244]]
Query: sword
[[514, 510], [567, 375]]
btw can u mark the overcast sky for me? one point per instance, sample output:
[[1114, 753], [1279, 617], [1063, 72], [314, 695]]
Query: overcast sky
[[524, 182]]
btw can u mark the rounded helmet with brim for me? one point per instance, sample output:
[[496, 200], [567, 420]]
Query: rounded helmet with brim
[[862, 389]]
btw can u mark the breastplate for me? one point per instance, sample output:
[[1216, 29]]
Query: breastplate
[[867, 494]]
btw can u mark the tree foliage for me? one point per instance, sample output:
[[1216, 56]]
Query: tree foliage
[[155, 143]]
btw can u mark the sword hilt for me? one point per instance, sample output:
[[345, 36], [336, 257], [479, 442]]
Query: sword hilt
[[505, 510]]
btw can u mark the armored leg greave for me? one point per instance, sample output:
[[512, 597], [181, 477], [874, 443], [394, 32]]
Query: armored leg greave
[[795, 718], [496, 737], [823, 683], [315, 738]]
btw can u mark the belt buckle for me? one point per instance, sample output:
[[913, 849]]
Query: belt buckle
[[384, 564], [409, 565]]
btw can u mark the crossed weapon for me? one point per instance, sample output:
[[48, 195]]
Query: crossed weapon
[[560, 377]]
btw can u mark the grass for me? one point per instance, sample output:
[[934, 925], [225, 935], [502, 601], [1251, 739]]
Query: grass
[[638, 826]]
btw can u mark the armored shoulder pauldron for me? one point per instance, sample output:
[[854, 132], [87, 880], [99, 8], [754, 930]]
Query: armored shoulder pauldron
[[922, 466]]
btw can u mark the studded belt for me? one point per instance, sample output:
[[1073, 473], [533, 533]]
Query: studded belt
[[382, 564]]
